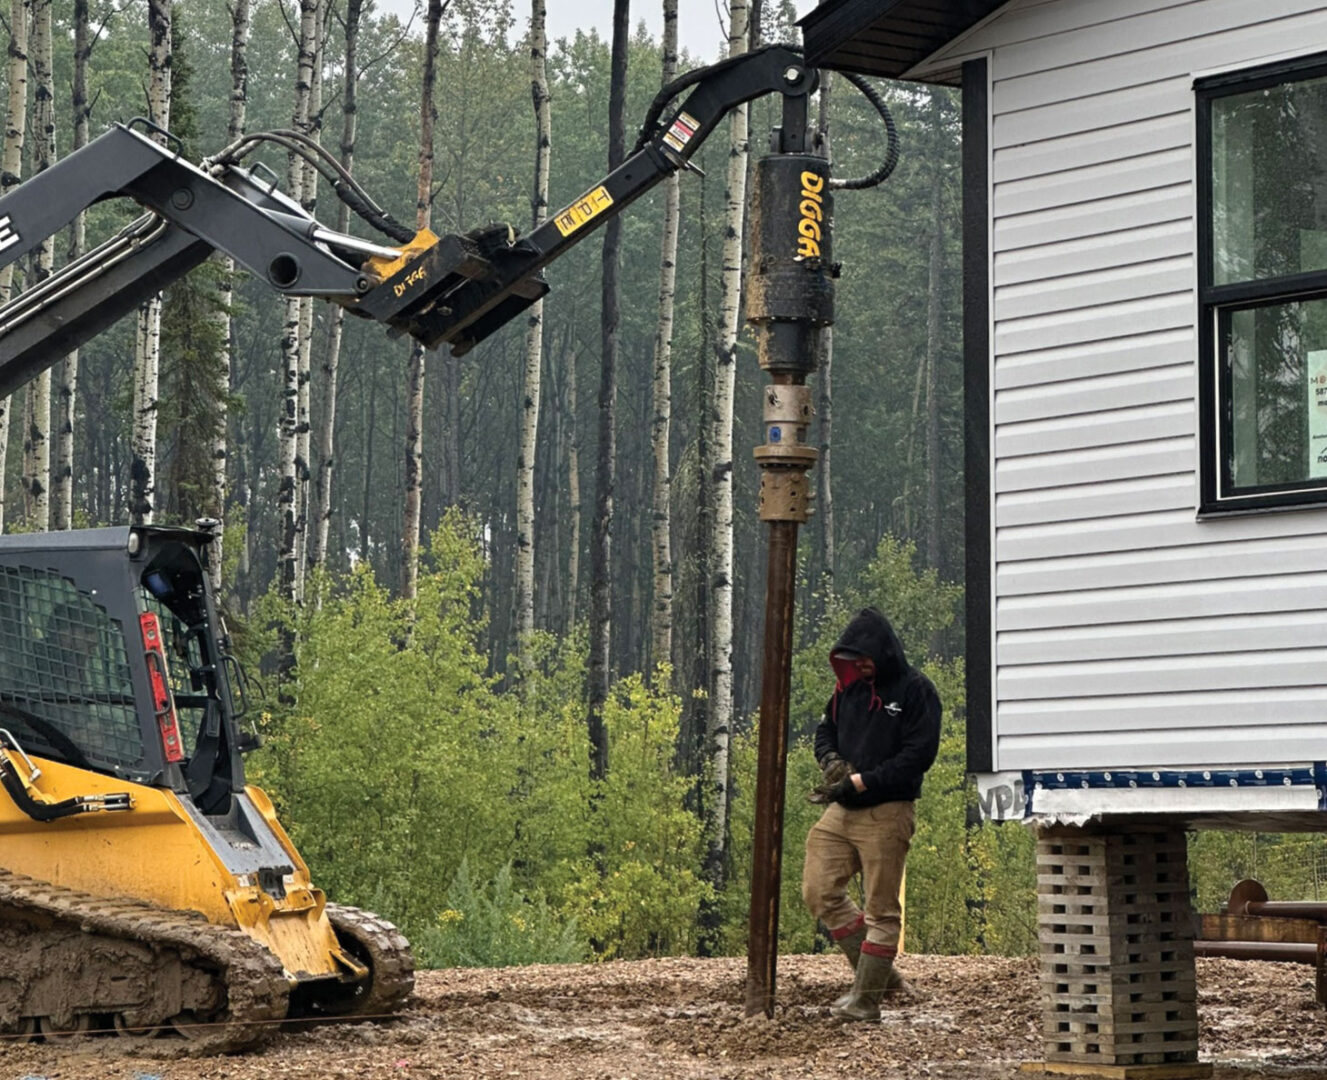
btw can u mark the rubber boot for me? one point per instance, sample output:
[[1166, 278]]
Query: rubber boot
[[896, 985], [851, 945], [863, 1002]]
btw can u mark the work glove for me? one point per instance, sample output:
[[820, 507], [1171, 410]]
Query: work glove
[[834, 768], [835, 772]]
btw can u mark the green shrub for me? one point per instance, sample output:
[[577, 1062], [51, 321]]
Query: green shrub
[[495, 926], [640, 892], [1004, 856]]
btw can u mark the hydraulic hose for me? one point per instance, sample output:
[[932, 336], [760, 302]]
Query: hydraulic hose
[[881, 174], [346, 188], [685, 81], [689, 79]]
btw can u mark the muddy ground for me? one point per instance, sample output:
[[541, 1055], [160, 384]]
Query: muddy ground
[[963, 1017]]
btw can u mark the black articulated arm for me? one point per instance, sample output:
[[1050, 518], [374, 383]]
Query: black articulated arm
[[192, 212], [467, 313], [456, 290]]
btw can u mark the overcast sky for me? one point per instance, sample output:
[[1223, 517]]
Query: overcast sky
[[698, 22]]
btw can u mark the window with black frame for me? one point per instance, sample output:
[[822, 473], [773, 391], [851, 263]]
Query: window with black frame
[[1262, 279]]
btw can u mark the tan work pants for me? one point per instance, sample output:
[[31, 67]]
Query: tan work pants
[[873, 840]]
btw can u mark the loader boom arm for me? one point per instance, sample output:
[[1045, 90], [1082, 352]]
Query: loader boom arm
[[456, 290]]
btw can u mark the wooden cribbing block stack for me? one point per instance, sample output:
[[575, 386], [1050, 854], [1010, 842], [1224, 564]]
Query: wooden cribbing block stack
[[1116, 936]]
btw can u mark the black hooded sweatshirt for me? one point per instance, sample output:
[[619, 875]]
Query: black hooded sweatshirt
[[888, 727]]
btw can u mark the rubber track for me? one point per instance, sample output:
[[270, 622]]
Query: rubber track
[[256, 987], [390, 958]]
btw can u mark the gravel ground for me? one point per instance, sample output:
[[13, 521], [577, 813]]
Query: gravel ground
[[962, 1017]]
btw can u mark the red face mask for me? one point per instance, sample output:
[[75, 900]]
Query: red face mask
[[848, 669]]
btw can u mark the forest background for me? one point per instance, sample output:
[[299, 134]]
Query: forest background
[[427, 737]]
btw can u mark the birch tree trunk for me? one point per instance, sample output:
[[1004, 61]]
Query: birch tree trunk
[[332, 358], [67, 370], [534, 346], [661, 613], [288, 498], [721, 479], [303, 424], [36, 436], [601, 547], [825, 404], [11, 169], [147, 345], [414, 448], [235, 122]]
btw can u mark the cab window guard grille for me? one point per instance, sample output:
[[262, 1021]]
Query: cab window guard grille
[[63, 660]]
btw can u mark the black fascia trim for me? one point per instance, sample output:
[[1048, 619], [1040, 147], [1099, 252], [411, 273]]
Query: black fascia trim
[[850, 35], [976, 417], [830, 25], [1215, 302]]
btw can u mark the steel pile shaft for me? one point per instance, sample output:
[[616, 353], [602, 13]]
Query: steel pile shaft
[[790, 297], [772, 754]]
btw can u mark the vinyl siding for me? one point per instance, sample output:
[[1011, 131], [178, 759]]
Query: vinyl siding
[[1127, 633]]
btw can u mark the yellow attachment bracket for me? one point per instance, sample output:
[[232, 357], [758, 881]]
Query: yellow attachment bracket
[[383, 268]]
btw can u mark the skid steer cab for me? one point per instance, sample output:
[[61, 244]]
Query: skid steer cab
[[125, 799]]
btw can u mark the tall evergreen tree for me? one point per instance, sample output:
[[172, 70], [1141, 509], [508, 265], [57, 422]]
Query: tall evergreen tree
[[934, 302], [193, 344], [573, 438], [601, 547]]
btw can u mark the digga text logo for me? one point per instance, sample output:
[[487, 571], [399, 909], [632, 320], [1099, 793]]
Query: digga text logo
[[812, 214], [412, 279]]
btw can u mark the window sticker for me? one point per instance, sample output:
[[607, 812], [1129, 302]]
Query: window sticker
[[1317, 410]]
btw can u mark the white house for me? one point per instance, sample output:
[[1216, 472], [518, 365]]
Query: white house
[[1146, 362]]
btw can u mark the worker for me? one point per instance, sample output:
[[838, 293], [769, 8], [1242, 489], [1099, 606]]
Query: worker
[[878, 736]]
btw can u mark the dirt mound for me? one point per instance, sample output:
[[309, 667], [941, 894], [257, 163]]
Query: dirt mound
[[970, 1017]]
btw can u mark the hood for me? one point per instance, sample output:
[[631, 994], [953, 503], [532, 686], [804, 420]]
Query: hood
[[869, 634]]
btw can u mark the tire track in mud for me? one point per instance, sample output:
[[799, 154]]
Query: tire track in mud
[[965, 1018]]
